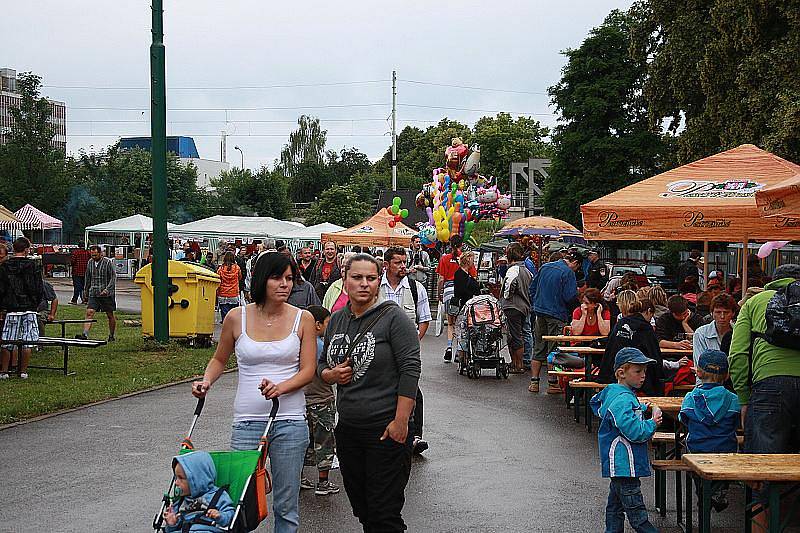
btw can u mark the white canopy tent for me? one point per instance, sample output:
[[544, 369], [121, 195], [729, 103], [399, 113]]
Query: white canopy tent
[[131, 226], [309, 235], [231, 228]]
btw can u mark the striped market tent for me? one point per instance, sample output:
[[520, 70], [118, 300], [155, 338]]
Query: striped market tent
[[31, 218]]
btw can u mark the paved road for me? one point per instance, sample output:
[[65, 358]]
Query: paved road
[[128, 294], [501, 460]]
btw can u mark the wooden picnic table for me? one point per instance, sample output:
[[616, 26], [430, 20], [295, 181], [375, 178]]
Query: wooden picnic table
[[669, 405], [572, 338], [744, 467], [53, 341], [588, 350]]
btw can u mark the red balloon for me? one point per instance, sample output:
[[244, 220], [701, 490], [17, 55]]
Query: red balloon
[[398, 218], [392, 223], [389, 211]]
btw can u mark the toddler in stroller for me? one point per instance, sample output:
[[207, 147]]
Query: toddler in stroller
[[199, 505], [481, 336]]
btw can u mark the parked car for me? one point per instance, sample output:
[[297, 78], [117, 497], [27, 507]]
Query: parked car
[[636, 270], [657, 275]]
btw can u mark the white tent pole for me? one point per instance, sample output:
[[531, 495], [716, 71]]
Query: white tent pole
[[745, 254], [705, 264]]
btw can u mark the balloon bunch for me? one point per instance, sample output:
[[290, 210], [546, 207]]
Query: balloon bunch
[[458, 196], [396, 211]]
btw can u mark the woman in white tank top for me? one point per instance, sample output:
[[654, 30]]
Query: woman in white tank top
[[275, 345]]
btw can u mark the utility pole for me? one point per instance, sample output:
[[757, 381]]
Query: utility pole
[[158, 156], [394, 130]]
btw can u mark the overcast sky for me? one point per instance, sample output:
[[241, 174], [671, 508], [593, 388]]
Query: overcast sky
[[215, 49]]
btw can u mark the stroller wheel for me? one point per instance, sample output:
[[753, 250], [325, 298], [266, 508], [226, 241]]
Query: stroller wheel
[[499, 371], [476, 370], [505, 370]]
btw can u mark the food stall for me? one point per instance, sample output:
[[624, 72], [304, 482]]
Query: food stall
[[125, 241]]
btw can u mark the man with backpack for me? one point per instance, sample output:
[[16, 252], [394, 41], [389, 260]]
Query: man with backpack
[[414, 301], [764, 364]]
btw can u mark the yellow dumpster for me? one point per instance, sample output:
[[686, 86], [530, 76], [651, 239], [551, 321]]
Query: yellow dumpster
[[192, 297]]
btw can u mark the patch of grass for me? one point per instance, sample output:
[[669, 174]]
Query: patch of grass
[[130, 364]]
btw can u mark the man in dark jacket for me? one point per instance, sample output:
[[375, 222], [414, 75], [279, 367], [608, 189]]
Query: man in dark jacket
[[688, 267], [21, 291]]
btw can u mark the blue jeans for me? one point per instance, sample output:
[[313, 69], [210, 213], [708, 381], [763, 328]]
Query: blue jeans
[[625, 497], [224, 309], [527, 336], [772, 423], [77, 287], [288, 440]]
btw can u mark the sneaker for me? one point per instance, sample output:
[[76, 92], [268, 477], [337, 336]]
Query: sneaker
[[3, 376], [534, 386], [23, 376], [553, 388], [111, 338], [326, 487], [306, 483], [81, 336], [448, 354], [419, 446]]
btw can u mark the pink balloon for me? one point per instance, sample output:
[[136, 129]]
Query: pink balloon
[[429, 211], [767, 248]]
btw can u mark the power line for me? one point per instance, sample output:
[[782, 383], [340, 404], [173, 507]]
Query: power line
[[474, 110], [216, 135], [274, 108], [470, 87], [212, 88]]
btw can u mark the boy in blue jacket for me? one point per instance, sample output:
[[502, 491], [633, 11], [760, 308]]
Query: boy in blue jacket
[[622, 438], [199, 501], [711, 415]]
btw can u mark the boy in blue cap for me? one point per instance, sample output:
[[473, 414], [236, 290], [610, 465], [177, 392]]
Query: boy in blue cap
[[622, 438], [711, 415]]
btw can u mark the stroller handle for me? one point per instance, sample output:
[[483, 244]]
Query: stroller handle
[[199, 409], [274, 411]]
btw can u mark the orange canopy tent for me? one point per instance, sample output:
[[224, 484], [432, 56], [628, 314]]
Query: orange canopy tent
[[712, 199], [8, 216], [374, 231], [781, 200]]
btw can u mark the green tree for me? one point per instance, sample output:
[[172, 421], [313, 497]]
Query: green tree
[[348, 163], [240, 192], [310, 179], [604, 140], [338, 205], [503, 140], [31, 169], [420, 152], [724, 72], [122, 182], [306, 145]]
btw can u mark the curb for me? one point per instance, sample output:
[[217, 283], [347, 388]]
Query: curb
[[107, 400]]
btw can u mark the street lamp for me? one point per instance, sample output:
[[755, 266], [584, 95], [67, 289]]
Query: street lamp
[[240, 151]]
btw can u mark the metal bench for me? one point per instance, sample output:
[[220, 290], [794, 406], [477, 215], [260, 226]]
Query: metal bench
[[53, 341]]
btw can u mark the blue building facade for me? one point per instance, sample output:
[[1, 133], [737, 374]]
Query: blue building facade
[[183, 146]]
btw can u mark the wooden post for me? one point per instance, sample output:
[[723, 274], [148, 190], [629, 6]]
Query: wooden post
[[745, 253], [705, 264]]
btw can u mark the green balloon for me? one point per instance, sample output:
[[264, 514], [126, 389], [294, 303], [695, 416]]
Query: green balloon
[[404, 213], [396, 200], [395, 209]]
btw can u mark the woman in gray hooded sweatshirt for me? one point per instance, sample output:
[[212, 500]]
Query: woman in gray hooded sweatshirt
[[372, 354]]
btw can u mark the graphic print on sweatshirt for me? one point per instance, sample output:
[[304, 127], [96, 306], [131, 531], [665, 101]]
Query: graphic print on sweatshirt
[[360, 359]]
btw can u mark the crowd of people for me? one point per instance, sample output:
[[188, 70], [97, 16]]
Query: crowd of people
[[336, 337]]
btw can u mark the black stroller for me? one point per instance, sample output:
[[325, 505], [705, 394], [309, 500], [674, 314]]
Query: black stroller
[[482, 320]]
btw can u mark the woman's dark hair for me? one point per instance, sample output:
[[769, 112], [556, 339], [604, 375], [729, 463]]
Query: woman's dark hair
[[299, 280], [269, 265], [363, 257], [593, 295], [228, 260]]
